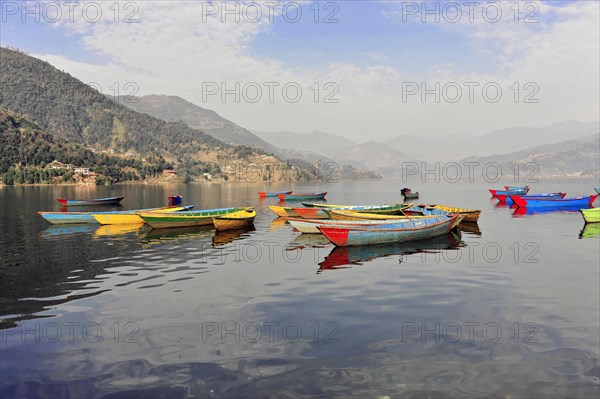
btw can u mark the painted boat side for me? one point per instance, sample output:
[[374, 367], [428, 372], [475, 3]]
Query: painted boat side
[[311, 213], [273, 194], [299, 197], [310, 226], [95, 201], [591, 215], [204, 217], [506, 198], [552, 202], [418, 230], [68, 217], [131, 217], [283, 211]]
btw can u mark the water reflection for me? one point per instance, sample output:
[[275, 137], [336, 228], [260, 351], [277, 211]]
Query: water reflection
[[225, 237], [308, 240], [357, 255], [155, 236], [277, 224], [590, 230], [470, 227], [524, 211], [67, 230], [113, 230]]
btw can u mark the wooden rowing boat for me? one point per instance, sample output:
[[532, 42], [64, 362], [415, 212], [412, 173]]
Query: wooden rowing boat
[[310, 226], [90, 202], [68, 217], [411, 195], [273, 194], [591, 215], [554, 202], [406, 230], [470, 215], [386, 209], [302, 197], [506, 198], [283, 211], [336, 214], [131, 217], [236, 220], [159, 220]]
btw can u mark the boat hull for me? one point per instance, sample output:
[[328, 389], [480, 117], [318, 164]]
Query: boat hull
[[235, 220], [264, 194], [311, 226], [388, 209], [335, 214], [582, 202], [311, 213], [591, 215], [302, 197], [283, 211], [495, 193], [131, 217], [412, 230], [411, 195], [470, 215], [506, 198], [97, 201], [68, 217]]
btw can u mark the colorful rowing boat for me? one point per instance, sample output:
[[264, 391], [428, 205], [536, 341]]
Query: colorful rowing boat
[[470, 215], [236, 220], [506, 198], [90, 202], [131, 217], [68, 217], [302, 197], [386, 209], [283, 211], [406, 230], [159, 220], [591, 215], [337, 214], [311, 226], [581, 202], [273, 194]]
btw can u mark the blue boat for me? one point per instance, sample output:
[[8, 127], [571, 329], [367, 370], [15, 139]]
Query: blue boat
[[506, 198], [68, 217], [87, 217], [582, 202], [406, 230]]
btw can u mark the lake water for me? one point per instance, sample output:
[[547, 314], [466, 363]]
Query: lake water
[[511, 310]]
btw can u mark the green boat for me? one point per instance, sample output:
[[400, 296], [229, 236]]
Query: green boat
[[204, 217], [591, 215], [387, 209]]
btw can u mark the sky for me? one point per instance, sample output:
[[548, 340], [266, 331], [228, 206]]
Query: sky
[[367, 70]]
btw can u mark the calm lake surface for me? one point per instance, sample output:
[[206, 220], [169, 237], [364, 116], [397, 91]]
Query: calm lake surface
[[511, 310]]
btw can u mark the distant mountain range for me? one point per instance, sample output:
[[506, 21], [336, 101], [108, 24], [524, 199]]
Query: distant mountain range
[[69, 110]]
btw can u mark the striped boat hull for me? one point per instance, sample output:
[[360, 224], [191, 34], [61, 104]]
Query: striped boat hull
[[582, 202], [411, 230]]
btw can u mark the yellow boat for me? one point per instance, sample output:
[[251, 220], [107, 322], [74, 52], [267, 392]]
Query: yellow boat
[[591, 215], [235, 220], [283, 211], [470, 215], [351, 215], [131, 217]]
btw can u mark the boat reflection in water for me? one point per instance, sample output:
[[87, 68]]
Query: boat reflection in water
[[277, 224], [155, 236], [590, 230], [357, 255], [67, 230], [524, 211], [470, 227], [225, 237], [107, 230], [308, 241]]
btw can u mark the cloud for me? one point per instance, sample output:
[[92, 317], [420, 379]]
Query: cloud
[[178, 49]]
